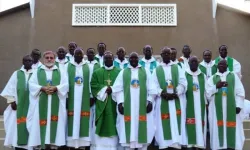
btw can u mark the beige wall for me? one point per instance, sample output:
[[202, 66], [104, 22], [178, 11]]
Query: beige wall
[[52, 28]]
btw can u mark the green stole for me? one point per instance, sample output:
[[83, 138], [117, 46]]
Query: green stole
[[85, 109], [105, 111], [229, 62], [43, 105], [165, 116], [22, 108], [96, 66], [190, 110], [231, 114], [204, 69], [142, 133]]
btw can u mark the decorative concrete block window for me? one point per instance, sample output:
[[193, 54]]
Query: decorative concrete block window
[[124, 15]]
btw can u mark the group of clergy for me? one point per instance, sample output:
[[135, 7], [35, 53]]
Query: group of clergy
[[102, 103]]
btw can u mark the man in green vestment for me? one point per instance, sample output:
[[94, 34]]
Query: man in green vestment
[[105, 136], [196, 116], [134, 92], [226, 95], [79, 114], [233, 64], [46, 117], [208, 66], [17, 95], [170, 111]]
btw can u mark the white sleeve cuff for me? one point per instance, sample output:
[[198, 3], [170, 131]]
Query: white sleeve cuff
[[150, 98], [159, 91], [10, 99], [101, 95], [180, 89]]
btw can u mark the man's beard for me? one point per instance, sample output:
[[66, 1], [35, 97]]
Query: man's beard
[[49, 64]]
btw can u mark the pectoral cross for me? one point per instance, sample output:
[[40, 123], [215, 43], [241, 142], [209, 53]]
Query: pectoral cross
[[108, 81]]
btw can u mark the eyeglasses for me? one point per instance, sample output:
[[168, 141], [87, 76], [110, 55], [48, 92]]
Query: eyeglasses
[[49, 58]]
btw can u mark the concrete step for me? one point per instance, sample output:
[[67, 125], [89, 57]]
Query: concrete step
[[247, 133], [3, 147], [246, 124], [246, 144]]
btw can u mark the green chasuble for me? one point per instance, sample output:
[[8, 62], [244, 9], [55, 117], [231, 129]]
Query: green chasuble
[[43, 104], [142, 84], [105, 111], [22, 108], [85, 108], [96, 66], [190, 110], [231, 113], [230, 62], [165, 116]]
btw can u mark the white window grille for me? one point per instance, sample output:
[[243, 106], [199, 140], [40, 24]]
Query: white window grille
[[124, 15]]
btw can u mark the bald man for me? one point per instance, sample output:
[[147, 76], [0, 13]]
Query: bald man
[[232, 64], [79, 122], [36, 56], [61, 60], [226, 96], [105, 110], [208, 66], [170, 112], [196, 116], [71, 47], [134, 92], [121, 62], [148, 61], [186, 51], [17, 95]]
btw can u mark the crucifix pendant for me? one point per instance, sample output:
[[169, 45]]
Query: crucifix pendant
[[108, 81]]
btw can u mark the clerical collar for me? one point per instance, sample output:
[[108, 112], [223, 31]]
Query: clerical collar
[[24, 70], [60, 61], [175, 62], [123, 62], [69, 55], [37, 64], [164, 64], [196, 73], [205, 64], [109, 68], [76, 64], [138, 66], [150, 60], [223, 58], [184, 58], [222, 74], [91, 62], [46, 68], [97, 55]]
